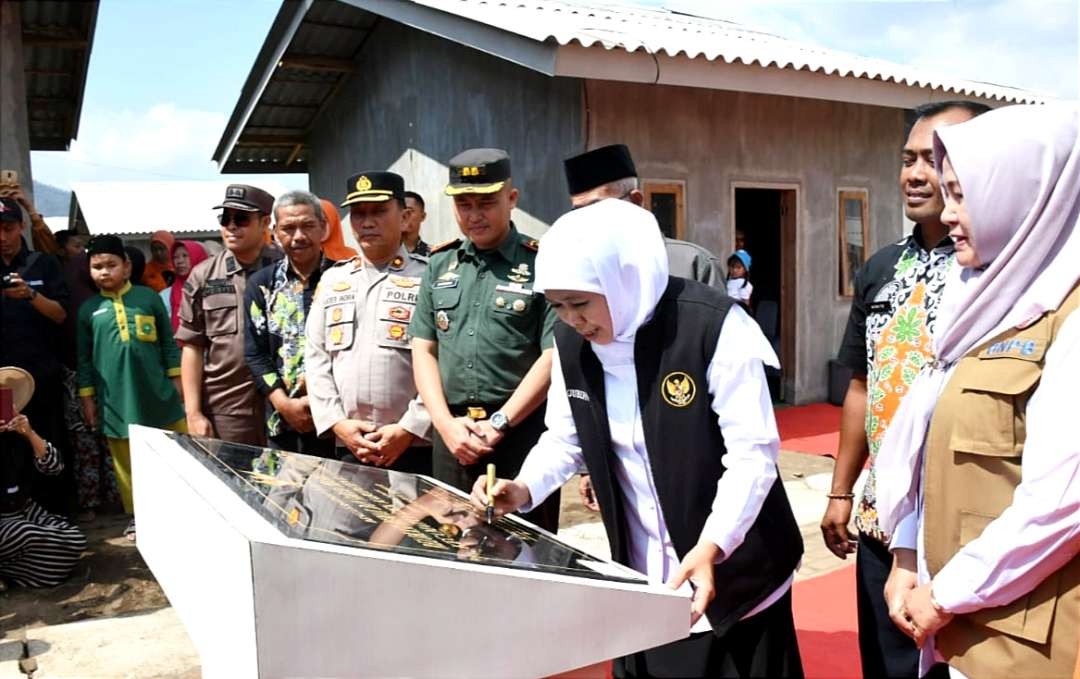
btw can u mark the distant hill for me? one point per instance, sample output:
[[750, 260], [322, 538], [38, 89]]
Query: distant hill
[[51, 201]]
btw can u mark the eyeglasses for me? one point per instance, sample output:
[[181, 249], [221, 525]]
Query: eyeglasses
[[238, 218]]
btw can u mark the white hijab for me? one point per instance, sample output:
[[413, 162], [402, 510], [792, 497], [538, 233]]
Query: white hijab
[[1019, 168], [612, 248]]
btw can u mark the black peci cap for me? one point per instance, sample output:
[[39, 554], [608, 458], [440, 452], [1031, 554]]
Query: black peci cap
[[373, 187], [478, 171], [597, 167], [106, 244]]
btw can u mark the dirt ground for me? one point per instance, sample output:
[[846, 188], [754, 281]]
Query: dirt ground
[[113, 580]]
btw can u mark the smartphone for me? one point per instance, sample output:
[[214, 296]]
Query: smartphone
[[9, 177], [7, 404]]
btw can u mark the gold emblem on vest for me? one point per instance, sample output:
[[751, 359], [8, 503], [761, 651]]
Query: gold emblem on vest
[[678, 389]]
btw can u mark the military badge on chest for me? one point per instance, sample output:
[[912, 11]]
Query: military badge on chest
[[520, 273], [442, 321]]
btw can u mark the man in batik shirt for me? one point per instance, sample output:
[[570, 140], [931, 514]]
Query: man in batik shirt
[[887, 341], [276, 302]]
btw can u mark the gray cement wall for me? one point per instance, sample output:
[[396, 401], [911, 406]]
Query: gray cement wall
[[417, 100], [715, 139]]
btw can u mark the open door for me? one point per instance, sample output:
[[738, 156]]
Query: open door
[[765, 224]]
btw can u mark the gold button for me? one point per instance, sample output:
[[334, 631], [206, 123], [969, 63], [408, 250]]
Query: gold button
[[500, 302], [519, 305]]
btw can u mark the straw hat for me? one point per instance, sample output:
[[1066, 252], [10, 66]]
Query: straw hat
[[21, 384]]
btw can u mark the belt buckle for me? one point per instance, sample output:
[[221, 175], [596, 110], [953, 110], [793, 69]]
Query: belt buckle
[[477, 413]]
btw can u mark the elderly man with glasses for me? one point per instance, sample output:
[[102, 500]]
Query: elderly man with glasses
[[218, 396]]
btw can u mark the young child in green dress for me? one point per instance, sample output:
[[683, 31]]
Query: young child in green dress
[[128, 363]]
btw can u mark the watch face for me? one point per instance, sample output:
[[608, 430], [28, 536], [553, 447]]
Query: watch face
[[499, 422]]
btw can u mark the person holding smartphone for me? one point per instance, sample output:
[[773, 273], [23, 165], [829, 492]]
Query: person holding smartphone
[[37, 548]]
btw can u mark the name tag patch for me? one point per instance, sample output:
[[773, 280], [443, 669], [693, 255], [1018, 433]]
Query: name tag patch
[[578, 394], [879, 307], [1014, 348]]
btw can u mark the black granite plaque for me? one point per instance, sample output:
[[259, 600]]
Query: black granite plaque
[[345, 503]]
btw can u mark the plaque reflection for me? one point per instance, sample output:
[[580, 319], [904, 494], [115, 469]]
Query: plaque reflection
[[344, 503]]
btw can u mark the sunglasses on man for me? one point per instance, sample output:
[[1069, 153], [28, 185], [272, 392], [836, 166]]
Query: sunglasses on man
[[238, 217]]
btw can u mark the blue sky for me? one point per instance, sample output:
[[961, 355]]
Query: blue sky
[[165, 75]]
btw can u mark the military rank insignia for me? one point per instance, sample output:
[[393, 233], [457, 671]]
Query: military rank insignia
[[678, 389], [397, 263], [520, 273]]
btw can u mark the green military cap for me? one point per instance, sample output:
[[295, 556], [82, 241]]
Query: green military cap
[[478, 171], [373, 187]]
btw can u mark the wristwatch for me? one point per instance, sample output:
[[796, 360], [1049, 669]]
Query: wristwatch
[[499, 421], [33, 294]]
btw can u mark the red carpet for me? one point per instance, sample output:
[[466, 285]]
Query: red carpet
[[826, 623], [813, 428]]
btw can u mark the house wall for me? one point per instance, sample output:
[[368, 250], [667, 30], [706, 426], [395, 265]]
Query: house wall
[[417, 100], [714, 139]]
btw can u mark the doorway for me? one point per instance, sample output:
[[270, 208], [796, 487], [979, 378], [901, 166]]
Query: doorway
[[765, 225]]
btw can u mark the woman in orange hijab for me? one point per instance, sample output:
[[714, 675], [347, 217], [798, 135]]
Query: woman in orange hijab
[[158, 273], [334, 246]]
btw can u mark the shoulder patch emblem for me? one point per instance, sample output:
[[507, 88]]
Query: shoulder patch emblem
[[678, 389], [445, 245]]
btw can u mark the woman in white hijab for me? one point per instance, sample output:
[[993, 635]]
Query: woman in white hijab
[[658, 389], [979, 473]]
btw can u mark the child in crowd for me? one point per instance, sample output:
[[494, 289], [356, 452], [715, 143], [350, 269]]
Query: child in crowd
[[738, 279], [126, 359]]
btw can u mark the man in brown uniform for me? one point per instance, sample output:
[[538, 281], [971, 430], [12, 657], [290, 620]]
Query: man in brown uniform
[[219, 397]]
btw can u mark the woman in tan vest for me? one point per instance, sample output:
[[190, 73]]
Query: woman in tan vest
[[979, 474]]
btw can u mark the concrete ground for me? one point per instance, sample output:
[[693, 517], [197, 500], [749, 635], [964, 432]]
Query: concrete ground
[[112, 619]]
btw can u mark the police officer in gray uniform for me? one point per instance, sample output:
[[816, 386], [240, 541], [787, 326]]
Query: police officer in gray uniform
[[609, 172], [357, 356]]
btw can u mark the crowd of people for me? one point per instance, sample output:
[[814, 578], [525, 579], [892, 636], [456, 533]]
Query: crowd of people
[[609, 351]]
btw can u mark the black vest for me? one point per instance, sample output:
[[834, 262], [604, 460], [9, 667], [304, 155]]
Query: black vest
[[672, 353]]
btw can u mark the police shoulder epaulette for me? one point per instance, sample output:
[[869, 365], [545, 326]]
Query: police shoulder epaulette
[[531, 244], [446, 245]]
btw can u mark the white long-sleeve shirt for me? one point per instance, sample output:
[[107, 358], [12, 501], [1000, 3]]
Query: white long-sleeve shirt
[[740, 399], [1040, 531]]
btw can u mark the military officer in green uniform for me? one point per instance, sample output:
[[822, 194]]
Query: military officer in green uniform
[[482, 339]]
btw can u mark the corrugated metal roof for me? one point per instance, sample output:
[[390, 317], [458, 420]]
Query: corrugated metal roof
[[660, 31], [186, 206], [57, 39], [314, 45]]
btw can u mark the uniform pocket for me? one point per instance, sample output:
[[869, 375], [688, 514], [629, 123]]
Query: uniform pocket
[[145, 328], [220, 314], [989, 417], [1030, 616]]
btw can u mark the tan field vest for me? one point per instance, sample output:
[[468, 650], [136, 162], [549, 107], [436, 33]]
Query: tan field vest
[[973, 454]]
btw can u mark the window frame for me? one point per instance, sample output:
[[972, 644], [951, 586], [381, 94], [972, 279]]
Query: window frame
[[846, 282], [676, 186]]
